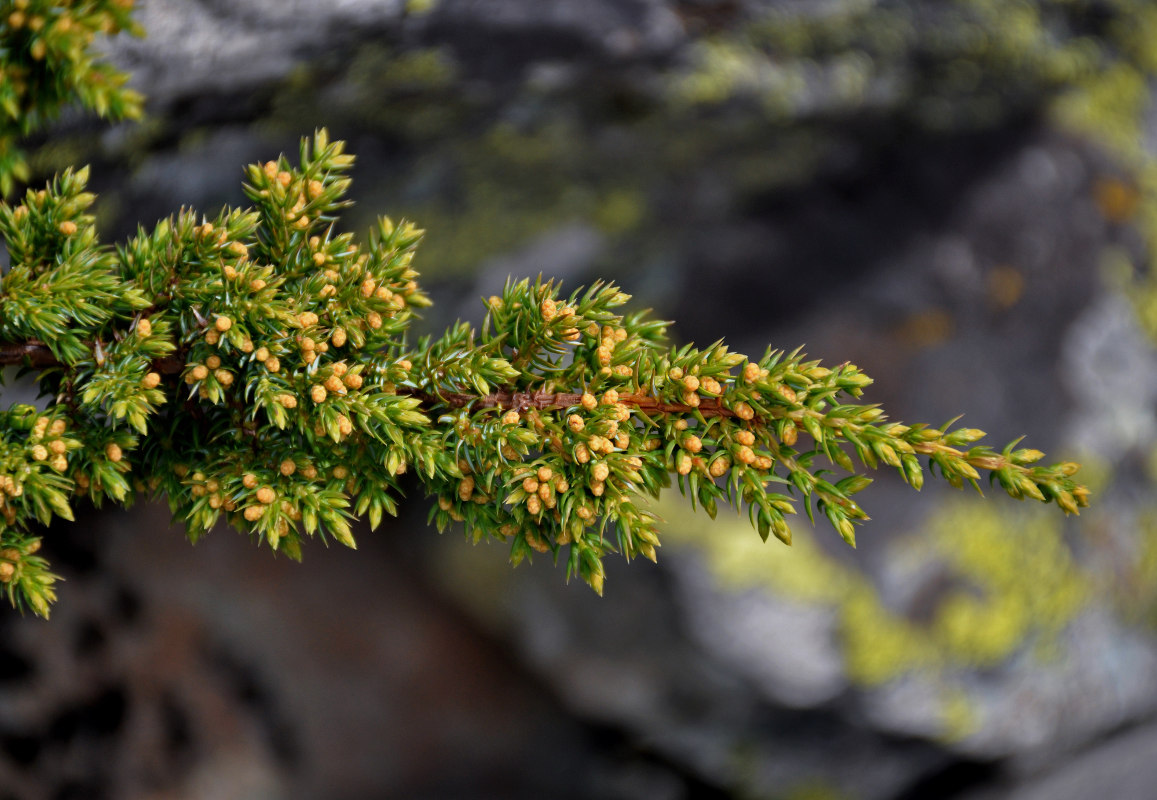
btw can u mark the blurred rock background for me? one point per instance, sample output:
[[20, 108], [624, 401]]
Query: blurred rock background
[[958, 196]]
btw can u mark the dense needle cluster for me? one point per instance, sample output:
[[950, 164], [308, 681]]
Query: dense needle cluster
[[254, 367]]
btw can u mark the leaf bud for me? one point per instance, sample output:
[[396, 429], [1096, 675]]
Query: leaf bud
[[887, 454], [1027, 456], [963, 436], [1067, 503], [718, 467], [913, 472], [790, 434]]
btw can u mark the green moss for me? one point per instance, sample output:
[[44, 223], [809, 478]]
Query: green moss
[[1021, 584], [1010, 586], [816, 789], [420, 6]]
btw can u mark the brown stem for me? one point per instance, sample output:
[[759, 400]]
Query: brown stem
[[32, 353], [37, 354], [524, 401]]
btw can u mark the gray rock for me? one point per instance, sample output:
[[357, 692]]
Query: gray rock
[[209, 47]]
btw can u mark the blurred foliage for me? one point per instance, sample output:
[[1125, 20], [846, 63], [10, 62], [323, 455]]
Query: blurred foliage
[[960, 63], [1089, 64], [488, 175], [47, 63]]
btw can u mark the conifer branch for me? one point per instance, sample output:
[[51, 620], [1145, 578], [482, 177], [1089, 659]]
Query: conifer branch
[[255, 368]]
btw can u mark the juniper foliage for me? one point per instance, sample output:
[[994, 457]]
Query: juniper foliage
[[257, 367]]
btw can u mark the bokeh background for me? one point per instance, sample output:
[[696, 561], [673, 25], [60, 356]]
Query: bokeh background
[[960, 196]]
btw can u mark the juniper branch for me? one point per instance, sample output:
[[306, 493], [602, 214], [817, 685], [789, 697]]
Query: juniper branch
[[255, 368]]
